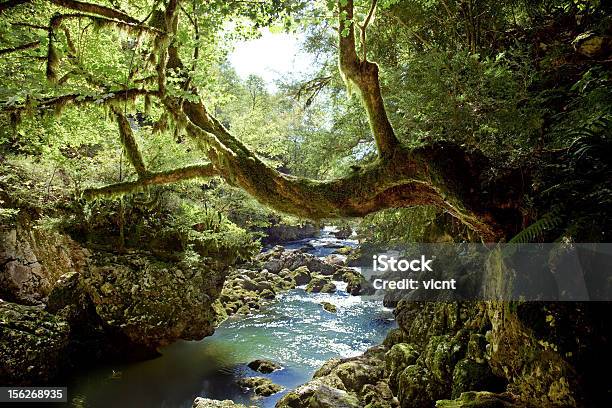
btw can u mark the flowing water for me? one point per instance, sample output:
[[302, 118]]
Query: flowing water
[[293, 330]]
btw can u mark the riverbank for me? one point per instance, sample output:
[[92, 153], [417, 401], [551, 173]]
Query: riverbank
[[291, 329]]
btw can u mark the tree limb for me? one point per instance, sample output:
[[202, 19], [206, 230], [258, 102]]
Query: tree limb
[[97, 9], [155, 178], [364, 75], [22, 47], [7, 5], [61, 101], [129, 144], [364, 28]]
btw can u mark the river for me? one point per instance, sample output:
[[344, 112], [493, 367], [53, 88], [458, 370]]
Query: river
[[293, 330]]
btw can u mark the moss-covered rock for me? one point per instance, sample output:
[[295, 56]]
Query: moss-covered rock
[[209, 403], [301, 275], [260, 385], [33, 344], [329, 307], [479, 399], [419, 388], [321, 284], [470, 375], [317, 394], [399, 357], [440, 356], [151, 302], [356, 283], [264, 366]]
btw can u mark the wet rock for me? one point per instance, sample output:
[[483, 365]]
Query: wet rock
[[419, 388], [264, 366], [330, 307], [33, 344], [151, 302], [260, 385], [320, 395], [397, 359], [479, 399], [469, 375], [209, 403], [343, 233], [321, 284], [301, 275]]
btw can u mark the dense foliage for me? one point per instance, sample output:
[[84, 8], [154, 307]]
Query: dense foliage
[[519, 81]]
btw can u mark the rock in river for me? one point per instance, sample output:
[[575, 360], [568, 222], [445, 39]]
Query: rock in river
[[321, 284], [330, 307], [209, 403], [261, 386], [264, 366]]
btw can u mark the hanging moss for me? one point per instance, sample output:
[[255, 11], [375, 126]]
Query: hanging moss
[[53, 60]]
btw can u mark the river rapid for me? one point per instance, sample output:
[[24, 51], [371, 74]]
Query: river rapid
[[292, 330]]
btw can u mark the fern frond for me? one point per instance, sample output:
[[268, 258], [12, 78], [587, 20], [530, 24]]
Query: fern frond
[[548, 221]]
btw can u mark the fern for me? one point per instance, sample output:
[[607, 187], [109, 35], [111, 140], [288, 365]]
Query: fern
[[548, 221]]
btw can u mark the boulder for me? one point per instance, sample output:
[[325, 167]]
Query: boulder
[[209, 403], [329, 307], [397, 359], [318, 394], [321, 284], [356, 283], [33, 344], [480, 399], [301, 275], [260, 385], [343, 233], [264, 366], [152, 303]]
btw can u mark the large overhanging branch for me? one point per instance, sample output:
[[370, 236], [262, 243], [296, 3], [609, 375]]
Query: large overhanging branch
[[57, 103], [443, 175], [202, 171], [83, 7]]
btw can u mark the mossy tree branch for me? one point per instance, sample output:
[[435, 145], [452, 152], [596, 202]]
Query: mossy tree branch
[[364, 75], [57, 103], [443, 175], [21, 47], [129, 144], [202, 171]]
